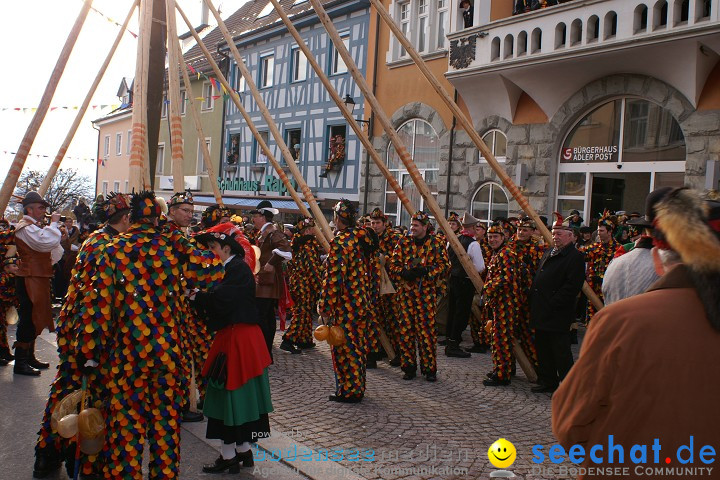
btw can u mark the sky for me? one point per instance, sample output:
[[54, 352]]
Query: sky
[[32, 37]]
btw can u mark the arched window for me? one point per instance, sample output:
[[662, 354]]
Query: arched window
[[497, 143], [489, 202], [423, 144]]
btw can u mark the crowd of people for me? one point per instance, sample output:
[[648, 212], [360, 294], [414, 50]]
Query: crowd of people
[[163, 318]]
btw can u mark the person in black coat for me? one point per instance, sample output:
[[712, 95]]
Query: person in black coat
[[553, 294]]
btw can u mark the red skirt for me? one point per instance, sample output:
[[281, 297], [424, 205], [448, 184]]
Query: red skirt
[[246, 351]]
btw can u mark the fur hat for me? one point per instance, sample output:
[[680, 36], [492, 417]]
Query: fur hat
[[144, 205]]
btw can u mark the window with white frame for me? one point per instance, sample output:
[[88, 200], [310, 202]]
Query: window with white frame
[[424, 147], [423, 20], [404, 13], [129, 141], [258, 154], [160, 163], [164, 109], [496, 141], [116, 187], [183, 102], [337, 66], [208, 100], [490, 202], [239, 79], [298, 65], [127, 185], [202, 162], [105, 189], [118, 144], [106, 149], [442, 18], [267, 10], [267, 71]]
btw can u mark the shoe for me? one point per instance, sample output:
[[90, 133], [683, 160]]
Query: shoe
[[341, 399], [323, 175], [495, 382], [3, 362], [543, 389], [34, 362], [431, 377], [232, 465], [289, 347], [45, 464], [246, 458], [573, 337], [306, 345], [6, 355], [453, 350], [409, 375], [443, 342], [191, 417], [476, 348], [395, 362], [21, 363], [371, 364]]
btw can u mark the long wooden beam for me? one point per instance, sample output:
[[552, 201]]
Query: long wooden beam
[[399, 145], [322, 238], [83, 108], [279, 140], [467, 125], [176, 134], [19, 161]]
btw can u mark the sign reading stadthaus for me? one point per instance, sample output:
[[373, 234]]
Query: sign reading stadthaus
[[607, 153], [271, 183]]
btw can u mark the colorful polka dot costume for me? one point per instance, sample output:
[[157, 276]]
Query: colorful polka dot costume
[[501, 290], [345, 302], [477, 324], [386, 307], [131, 322], [417, 299], [304, 281], [597, 258]]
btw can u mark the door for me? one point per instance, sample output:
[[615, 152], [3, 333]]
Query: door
[[618, 191]]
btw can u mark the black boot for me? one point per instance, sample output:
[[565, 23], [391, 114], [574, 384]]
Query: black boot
[[6, 355], [246, 458], [45, 462], [232, 465], [453, 350], [22, 367], [34, 362]]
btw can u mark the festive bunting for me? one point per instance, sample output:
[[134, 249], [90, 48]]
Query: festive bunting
[[112, 21], [38, 155], [114, 106]]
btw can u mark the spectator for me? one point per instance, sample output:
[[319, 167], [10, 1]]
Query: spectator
[[467, 13], [552, 306], [650, 363]]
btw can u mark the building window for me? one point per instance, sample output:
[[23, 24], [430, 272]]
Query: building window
[[183, 102], [422, 15], [129, 141], [160, 162], [490, 202], [267, 70], [164, 109], [208, 100], [202, 162], [298, 65], [118, 144], [404, 23], [239, 79], [233, 152], [442, 16], [127, 185], [292, 139], [335, 148], [423, 144], [105, 189], [337, 66], [116, 187], [258, 154], [496, 141], [267, 10]]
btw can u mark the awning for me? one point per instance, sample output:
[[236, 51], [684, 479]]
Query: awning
[[246, 203]]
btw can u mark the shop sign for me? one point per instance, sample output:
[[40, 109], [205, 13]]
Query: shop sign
[[607, 153], [271, 183]]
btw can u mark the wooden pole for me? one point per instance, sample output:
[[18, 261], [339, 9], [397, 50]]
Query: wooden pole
[[83, 108], [199, 129], [467, 125], [176, 135], [399, 146], [139, 173], [32, 129], [289, 160], [354, 124], [322, 238]]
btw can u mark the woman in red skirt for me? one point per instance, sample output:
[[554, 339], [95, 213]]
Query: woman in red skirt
[[237, 401]]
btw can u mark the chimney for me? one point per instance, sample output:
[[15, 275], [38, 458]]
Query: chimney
[[205, 14]]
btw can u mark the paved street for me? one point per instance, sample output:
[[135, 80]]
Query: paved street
[[402, 430]]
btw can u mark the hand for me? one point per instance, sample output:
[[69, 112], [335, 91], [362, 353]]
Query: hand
[[268, 268], [55, 217]]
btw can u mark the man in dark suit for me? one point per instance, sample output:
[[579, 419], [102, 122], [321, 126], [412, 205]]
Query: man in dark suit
[[552, 306]]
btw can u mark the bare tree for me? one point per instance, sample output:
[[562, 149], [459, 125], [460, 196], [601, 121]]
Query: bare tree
[[68, 186]]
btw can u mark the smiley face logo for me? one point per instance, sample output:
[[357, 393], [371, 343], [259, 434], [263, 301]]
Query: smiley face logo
[[502, 453]]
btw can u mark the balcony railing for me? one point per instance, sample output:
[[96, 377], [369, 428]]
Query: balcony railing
[[573, 27]]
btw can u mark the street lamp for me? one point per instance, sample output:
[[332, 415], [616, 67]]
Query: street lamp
[[350, 106]]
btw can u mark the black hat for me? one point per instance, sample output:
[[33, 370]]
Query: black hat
[[651, 201], [33, 197], [266, 209]]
